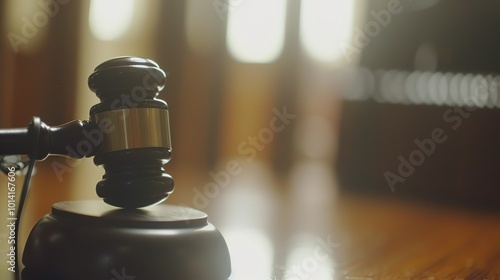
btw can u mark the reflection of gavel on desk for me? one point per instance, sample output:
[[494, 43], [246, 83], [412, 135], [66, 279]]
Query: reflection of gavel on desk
[[128, 134]]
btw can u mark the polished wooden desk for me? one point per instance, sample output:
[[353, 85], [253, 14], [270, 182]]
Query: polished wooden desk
[[303, 229], [300, 227]]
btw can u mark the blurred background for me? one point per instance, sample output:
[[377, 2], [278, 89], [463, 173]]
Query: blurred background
[[277, 107], [231, 66]]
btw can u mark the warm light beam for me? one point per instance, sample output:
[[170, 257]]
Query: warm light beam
[[110, 19], [251, 253], [255, 30], [325, 25]]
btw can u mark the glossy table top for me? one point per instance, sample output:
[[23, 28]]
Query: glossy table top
[[302, 228], [299, 226]]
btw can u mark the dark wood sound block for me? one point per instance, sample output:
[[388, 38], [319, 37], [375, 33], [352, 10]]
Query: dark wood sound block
[[93, 240]]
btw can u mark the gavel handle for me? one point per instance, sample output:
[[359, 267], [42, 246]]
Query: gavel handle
[[15, 141], [64, 140]]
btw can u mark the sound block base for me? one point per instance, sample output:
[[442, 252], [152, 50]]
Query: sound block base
[[93, 240]]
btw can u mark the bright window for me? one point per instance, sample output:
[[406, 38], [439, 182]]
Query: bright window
[[255, 30]]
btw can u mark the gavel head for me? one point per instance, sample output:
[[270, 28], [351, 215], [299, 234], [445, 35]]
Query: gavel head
[[135, 129]]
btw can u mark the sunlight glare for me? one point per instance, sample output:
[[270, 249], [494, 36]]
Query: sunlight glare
[[255, 30], [251, 253], [325, 25], [110, 19]]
